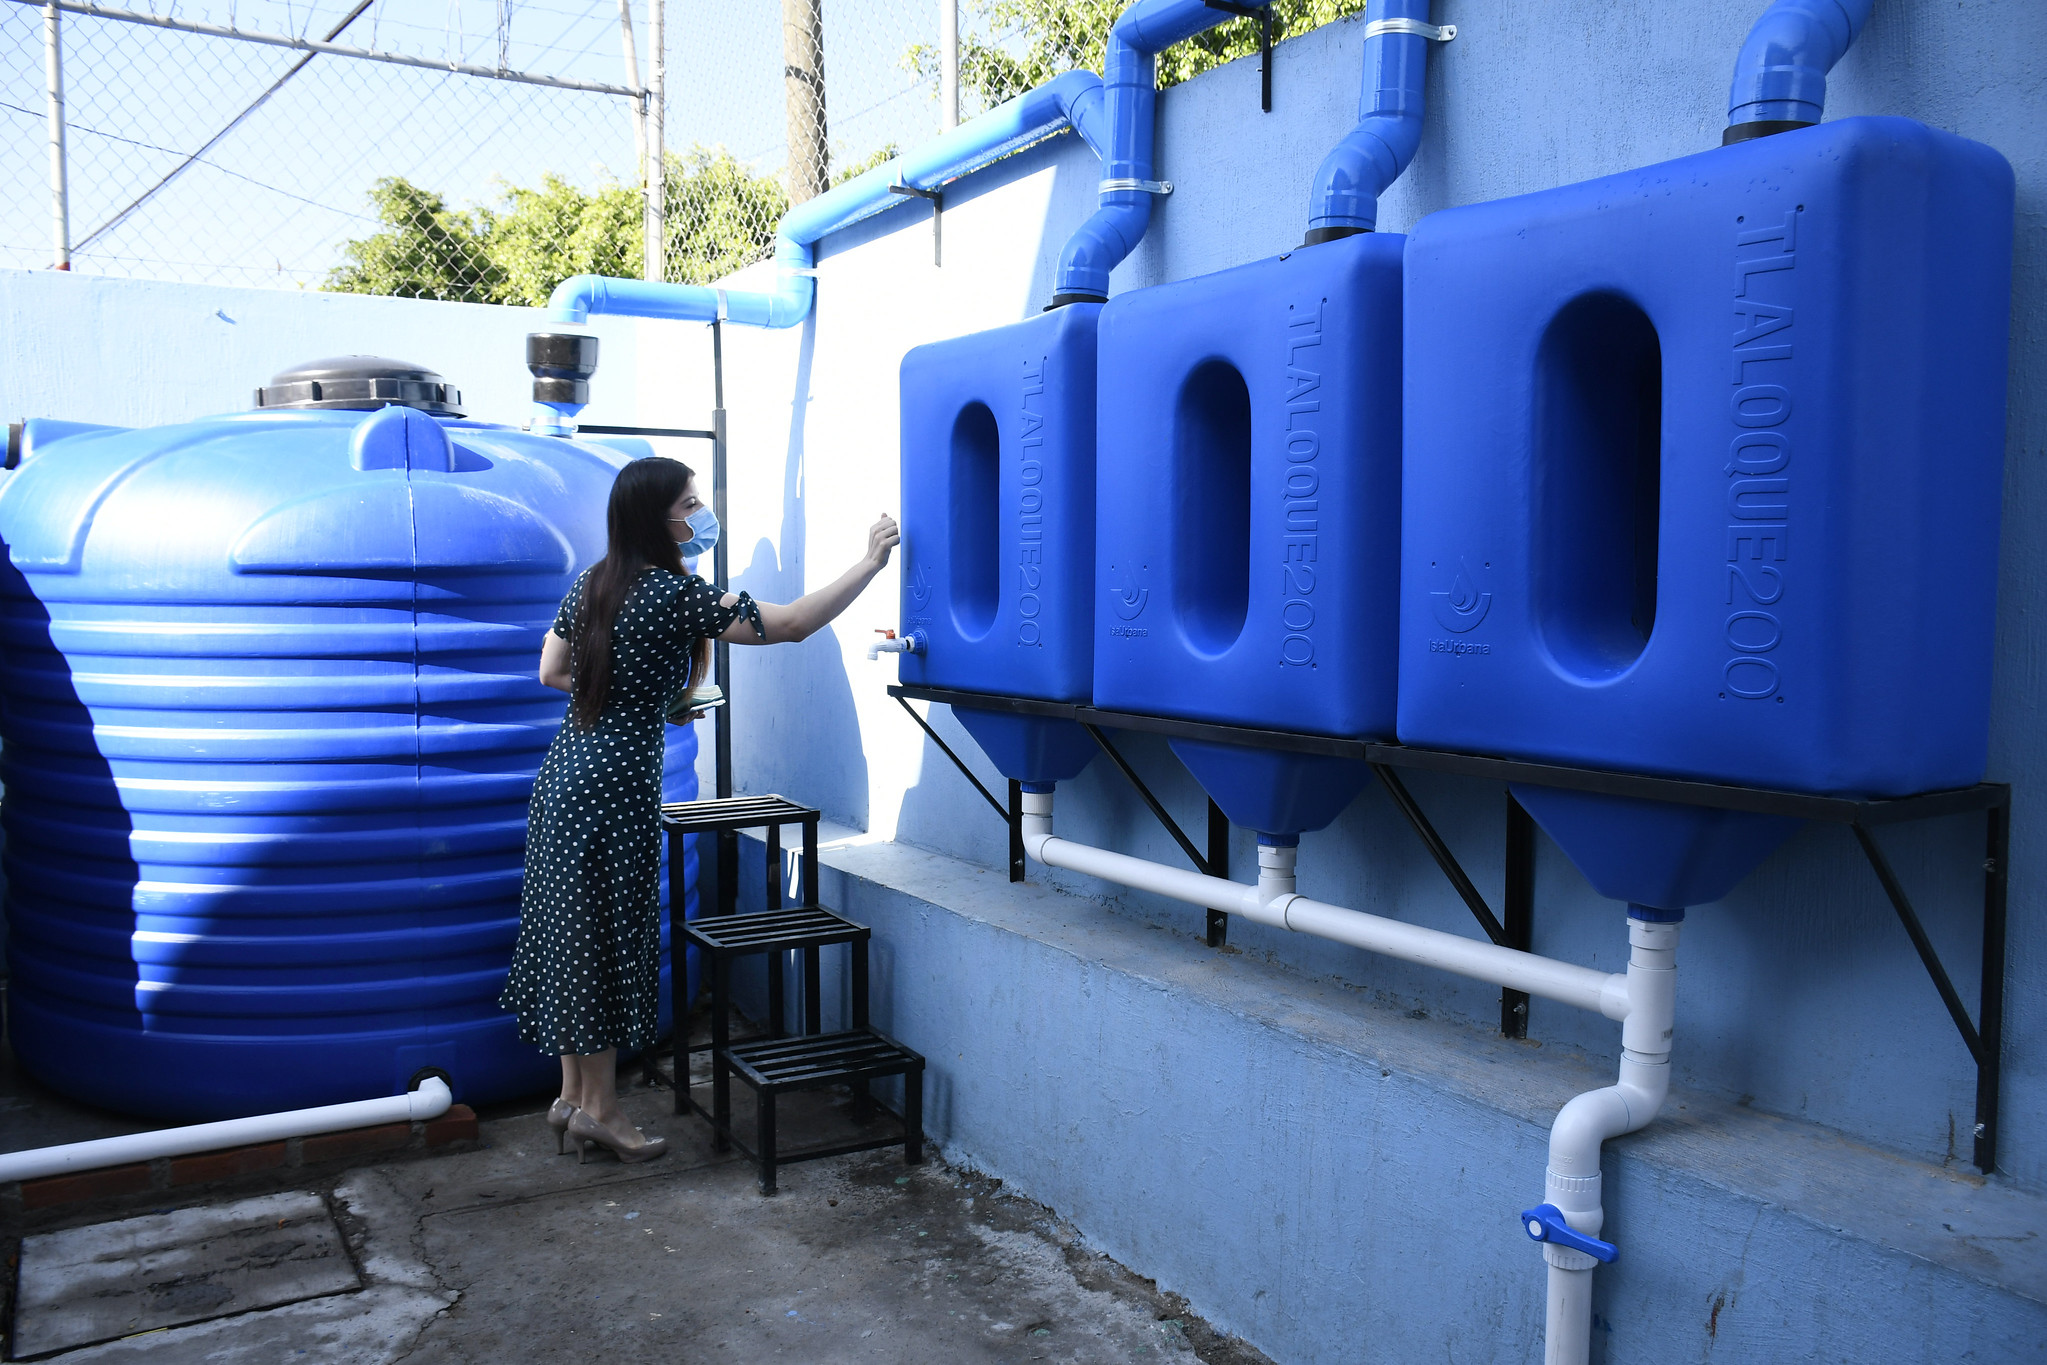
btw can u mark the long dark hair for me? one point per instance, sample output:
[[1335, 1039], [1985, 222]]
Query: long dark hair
[[638, 538]]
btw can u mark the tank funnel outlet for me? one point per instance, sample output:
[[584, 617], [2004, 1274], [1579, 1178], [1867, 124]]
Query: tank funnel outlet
[[562, 363]]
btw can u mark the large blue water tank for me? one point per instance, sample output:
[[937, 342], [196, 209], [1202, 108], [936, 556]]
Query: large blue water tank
[[1703, 465], [271, 723], [1248, 514], [998, 479]]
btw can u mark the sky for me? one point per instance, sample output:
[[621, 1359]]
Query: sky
[[272, 202]]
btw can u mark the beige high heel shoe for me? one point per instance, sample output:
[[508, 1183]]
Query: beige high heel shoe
[[558, 1115], [587, 1131]]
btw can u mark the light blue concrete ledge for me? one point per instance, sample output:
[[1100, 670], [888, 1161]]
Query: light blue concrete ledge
[[1336, 1180]]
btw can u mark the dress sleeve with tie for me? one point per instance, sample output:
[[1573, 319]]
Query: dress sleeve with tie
[[702, 616]]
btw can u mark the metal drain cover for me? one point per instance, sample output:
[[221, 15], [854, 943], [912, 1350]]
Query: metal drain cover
[[116, 1279]]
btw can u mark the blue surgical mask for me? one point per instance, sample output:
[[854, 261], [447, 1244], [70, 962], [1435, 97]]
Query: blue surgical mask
[[704, 524]]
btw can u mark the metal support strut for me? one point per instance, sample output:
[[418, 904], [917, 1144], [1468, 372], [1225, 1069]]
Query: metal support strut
[[1983, 1037], [1262, 16]]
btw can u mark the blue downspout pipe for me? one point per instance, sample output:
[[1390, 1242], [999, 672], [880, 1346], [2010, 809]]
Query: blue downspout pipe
[[1780, 79], [1073, 100], [1129, 74], [1345, 197]]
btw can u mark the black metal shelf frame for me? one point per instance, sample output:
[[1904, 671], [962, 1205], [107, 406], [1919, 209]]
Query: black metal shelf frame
[[1982, 1035]]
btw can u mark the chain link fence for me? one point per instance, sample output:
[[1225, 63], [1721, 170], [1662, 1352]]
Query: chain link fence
[[495, 146]]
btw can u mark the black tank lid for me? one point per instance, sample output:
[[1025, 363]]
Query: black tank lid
[[361, 382]]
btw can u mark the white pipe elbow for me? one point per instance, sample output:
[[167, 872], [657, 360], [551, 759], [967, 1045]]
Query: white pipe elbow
[[430, 1100], [1037, 825], [1588, 1121]]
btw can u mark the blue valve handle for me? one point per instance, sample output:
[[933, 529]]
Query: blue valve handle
[[1545, 1223]]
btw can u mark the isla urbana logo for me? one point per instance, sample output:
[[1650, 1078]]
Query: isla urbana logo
[[920, 589], [1464, 606], [1130, 595]]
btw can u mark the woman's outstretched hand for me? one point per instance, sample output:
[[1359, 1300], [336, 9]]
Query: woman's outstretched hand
[[882, 537], [810, 612]]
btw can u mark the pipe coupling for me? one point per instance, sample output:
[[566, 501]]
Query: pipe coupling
[[1035, 809], [1275, 871]]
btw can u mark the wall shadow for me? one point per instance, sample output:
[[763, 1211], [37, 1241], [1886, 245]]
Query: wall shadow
[[794, 726]]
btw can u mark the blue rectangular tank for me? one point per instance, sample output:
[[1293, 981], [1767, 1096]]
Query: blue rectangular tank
[[1703, 464], [998, 446], [1249, 486]]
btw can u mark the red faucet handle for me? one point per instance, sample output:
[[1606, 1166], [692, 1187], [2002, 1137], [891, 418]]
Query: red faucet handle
[[884, 634]]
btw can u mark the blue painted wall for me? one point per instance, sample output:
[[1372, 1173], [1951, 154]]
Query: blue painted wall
[[1801, 995]]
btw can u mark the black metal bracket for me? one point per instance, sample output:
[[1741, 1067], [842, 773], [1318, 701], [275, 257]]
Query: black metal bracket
[[1984, 1039], [1982, 1036], [957, 761], [1515, 927], [1158, 811], [1263, 15], [1440, 851], [689, 433], [1216, 863], [1011, 814], [937, 198]]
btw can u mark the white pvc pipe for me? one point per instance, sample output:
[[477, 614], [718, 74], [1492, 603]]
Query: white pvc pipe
[[1567, 1331], [1604, 992], [429, 1101], [1574, 1182], [1644, 1001]]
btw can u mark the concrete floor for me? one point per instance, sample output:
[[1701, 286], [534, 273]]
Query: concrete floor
[[511, 1253]]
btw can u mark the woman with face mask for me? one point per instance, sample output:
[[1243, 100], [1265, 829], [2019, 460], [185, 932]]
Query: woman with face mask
[[632, 639]]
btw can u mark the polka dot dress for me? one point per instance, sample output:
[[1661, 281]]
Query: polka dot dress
[[586, 973]]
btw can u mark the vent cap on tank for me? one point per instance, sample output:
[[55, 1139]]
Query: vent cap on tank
[[361, 383]]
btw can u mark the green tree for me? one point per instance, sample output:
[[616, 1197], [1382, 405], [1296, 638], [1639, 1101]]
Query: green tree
[[721, 216], [425, 251], [542, 236], [1016, 45], [878, 157]]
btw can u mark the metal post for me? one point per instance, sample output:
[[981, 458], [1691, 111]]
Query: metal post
[[1218, 866], [948, 65], [656, 220], [1990, 1032], [632, 78], [1265, 59], [60, 188], [721, 653], [1016, 844], [1517, 910]]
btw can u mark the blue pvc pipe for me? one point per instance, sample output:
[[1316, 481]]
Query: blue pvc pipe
[[1129, 75], [1345, 197], [1073, 100], [1781, 75]]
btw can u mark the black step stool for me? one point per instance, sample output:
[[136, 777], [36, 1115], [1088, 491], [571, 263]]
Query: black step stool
[[772, 1063], [718, 890]]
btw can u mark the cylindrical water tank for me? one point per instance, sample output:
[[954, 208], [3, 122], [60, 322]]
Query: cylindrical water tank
[[271, 721]]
